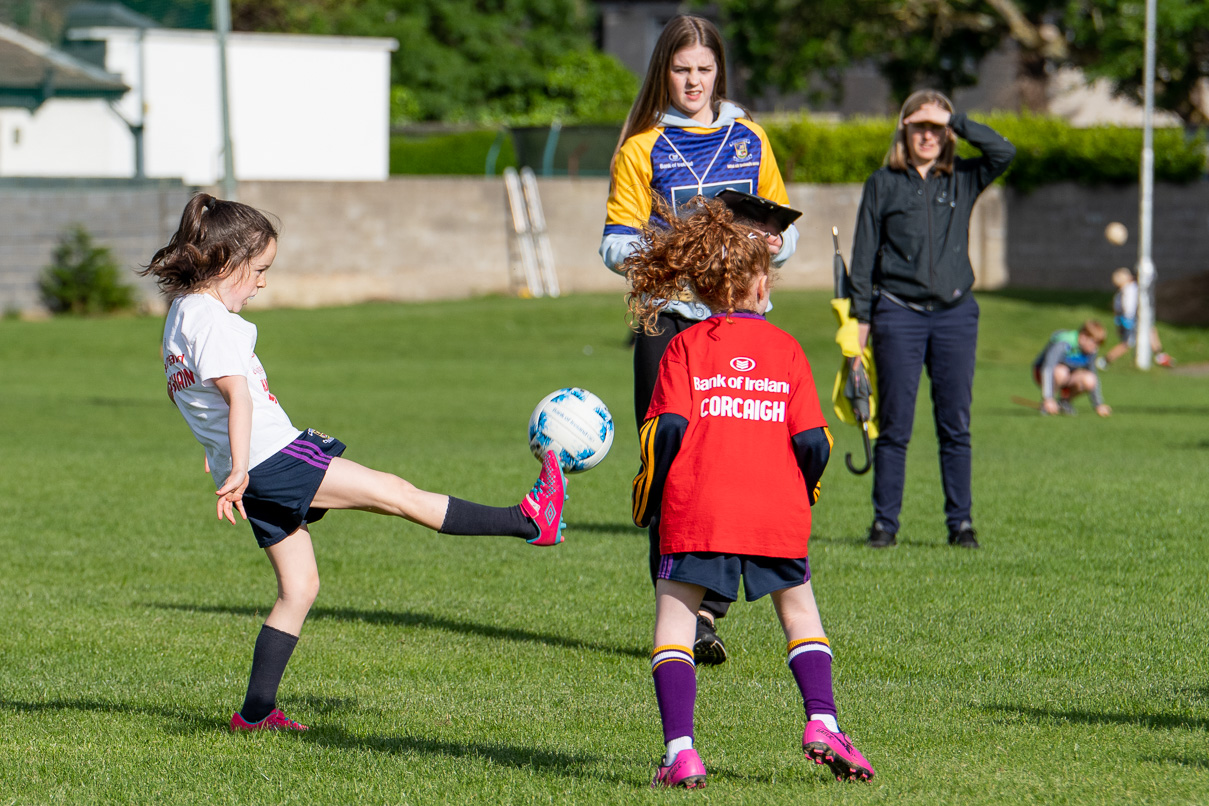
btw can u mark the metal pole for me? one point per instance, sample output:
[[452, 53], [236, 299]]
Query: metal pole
[[1146, 205], [139, 129], [222, 25]]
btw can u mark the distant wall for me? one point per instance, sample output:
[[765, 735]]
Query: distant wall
[[441, 237], [409, 238], [133, 219], [1056, 234]]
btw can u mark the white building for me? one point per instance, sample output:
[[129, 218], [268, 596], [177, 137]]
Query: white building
[[301, 108]]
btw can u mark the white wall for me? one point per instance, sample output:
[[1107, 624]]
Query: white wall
[[302, 107], [80, 138]]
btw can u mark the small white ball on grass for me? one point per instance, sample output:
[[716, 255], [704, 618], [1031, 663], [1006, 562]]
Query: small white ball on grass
[[1116, 233]]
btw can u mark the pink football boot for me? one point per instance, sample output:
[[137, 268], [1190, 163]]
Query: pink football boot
[[544, 503], [836, 751], [276, 720], [687, 771]]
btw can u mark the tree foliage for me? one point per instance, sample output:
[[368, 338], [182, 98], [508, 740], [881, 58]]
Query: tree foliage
[[471, 60], [83, 278], [1107, 39], [805, 45]]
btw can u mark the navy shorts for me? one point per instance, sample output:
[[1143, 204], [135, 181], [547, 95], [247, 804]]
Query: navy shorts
[[719, 573], [281, 488]]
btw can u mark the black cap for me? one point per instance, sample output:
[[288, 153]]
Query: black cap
[[761, 211]]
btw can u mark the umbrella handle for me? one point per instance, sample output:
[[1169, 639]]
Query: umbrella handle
[[868, 454]]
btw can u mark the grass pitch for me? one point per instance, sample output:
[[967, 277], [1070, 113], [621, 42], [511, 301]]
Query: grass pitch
[[1065, 662]]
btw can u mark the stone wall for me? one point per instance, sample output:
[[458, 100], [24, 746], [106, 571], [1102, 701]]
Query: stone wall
[[133, 219], [1056, 234], [422, 238]]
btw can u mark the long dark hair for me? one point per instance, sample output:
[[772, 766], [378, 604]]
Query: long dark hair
[[215, 237], [681, 32]]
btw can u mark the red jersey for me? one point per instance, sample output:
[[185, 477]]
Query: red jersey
[[735, 487]]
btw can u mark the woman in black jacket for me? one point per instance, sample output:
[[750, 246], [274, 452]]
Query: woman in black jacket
[[911, 281]]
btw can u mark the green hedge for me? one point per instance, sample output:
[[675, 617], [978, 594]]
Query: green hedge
[[461, 153], [1047, 150], [808, 150]]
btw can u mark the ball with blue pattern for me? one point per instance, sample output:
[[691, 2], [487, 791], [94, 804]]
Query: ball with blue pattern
[[575, 424]]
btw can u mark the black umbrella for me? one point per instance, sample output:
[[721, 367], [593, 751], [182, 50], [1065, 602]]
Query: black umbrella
[[853, 393]]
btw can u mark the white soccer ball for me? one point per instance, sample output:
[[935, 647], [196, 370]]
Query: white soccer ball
[[1116, 233], [575, 424]]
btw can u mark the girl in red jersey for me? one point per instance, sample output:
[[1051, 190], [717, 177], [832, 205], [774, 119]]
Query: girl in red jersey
[[733, 446]]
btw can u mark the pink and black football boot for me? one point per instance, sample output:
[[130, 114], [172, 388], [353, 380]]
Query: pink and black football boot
[[836, 751], [544, 503], [687, 771], [276, 720]]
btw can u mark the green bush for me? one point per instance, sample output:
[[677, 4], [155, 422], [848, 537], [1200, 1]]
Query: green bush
[[1048, 150], [84, 278], [462, 153]]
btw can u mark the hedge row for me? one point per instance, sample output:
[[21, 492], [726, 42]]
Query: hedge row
[[808, 150], [1048, 150], [455, 154]]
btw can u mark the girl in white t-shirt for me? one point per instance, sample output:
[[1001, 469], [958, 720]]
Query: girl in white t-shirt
[[276, 476]]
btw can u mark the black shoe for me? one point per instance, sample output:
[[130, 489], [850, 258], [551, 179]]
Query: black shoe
[[879, 538], [708, 648], [963, 536]]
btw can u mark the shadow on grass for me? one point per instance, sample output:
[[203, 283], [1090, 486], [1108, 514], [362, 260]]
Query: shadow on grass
[[1180, 410], [1183, 761], [189, 722], [629, 529], [544, 761], [425, 620], [1149, 721]]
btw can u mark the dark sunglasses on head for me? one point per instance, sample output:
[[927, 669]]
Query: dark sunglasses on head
[[934, 128]]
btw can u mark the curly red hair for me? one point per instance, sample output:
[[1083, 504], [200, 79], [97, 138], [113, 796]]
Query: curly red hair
[[704, 253]]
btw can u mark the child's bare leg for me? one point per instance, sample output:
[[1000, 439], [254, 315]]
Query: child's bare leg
[[1081, 382], [809, 651], [293, 561], [676, 605], [1061, 377], [672, 665], [798, 612], [348, 485], [1117, 351]]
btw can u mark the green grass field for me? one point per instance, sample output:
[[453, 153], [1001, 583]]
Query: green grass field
[[1065, 662]]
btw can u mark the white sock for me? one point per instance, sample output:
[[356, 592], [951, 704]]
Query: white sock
[[828, 720], [674, 747]]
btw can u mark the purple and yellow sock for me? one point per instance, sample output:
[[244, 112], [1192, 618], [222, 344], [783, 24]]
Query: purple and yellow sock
[[675, 676], [810, 662]]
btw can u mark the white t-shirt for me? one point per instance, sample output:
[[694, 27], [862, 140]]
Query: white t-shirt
[[1125, 303], [204, 341]]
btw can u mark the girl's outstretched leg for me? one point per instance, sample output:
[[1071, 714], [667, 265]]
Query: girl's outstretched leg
[[675, 676], [538, 518], [810, 663], [293, 561]]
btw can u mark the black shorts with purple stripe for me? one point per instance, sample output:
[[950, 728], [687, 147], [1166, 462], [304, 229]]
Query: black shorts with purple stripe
[[719, 573], [281, 488]]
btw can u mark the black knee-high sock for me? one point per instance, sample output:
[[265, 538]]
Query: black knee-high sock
[[469, 518], [272, 653]]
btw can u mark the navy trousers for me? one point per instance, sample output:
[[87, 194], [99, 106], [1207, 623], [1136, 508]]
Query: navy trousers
[[906, 341]]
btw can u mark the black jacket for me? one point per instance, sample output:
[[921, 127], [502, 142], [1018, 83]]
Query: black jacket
[[912, 235]]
